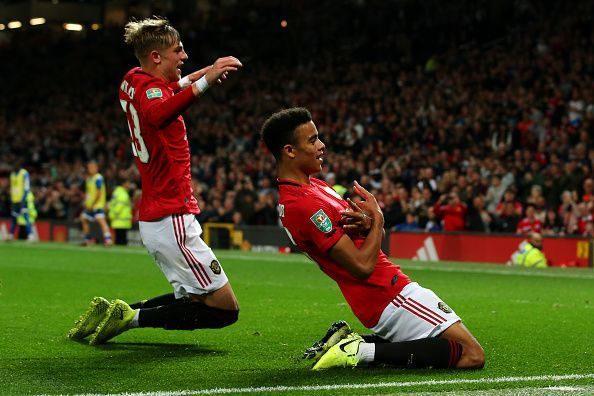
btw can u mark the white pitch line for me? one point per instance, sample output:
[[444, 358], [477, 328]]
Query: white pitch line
[[281, 388]]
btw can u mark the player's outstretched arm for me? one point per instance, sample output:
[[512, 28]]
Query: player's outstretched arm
[[216, 73], [360, 262], [160, 113]]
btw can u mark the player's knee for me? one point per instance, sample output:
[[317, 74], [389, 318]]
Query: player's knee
[[227, 317], [212, 317], [473, 357]]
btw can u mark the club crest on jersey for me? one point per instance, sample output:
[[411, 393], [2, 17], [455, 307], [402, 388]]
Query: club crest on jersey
[[444, 307], [215, 267], [322, 221], [153, 93]]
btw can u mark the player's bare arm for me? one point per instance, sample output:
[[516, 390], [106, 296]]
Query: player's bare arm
[[360, 262], [191, 78]]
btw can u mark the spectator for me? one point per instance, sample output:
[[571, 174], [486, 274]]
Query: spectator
[[393, 212], [478, 219], [433, 224], [245, 200], [410, 224], [509, 196], [584, 219], [508, 221], [452, 212], [529, 223], [265, 210], [568, 212], [553, 224], [52, 206], [494, 193]]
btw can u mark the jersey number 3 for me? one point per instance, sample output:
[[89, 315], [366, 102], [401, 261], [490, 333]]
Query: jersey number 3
[[138, 146]]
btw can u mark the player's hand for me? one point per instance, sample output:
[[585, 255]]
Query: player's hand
[[197, 75], [354, 221], [219, 70], [369, 206]]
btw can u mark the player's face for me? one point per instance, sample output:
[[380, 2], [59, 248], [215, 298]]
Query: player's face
[[172, 60], [309, 149]]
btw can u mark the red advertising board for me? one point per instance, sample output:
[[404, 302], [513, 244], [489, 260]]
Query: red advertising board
[[46, 230], [490, 248]]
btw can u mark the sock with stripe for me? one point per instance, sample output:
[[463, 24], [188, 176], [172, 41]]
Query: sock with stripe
[[186, 316], [423, 353], [165, 299]]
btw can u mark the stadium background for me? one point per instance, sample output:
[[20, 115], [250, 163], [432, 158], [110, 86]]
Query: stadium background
[[473, 97], [415, 100]]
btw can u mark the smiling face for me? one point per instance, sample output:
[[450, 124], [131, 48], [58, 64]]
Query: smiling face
[[307, 152], [169, 61]]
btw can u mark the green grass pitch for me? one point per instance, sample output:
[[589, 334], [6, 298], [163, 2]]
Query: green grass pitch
[[537, 328]]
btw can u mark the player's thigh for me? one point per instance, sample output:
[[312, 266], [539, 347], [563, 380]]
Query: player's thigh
[[473, 354], [415, 313], [188, 266]]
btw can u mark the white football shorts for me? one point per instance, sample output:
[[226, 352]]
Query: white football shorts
[[184, 258], [415, 313]]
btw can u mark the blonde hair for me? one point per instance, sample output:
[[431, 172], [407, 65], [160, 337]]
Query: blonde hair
[[150, 34]]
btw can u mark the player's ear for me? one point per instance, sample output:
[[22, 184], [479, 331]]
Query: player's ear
[[289, 150], [155, 57]]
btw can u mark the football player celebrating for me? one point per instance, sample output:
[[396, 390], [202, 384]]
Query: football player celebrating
[[153, 98], [411, 325]]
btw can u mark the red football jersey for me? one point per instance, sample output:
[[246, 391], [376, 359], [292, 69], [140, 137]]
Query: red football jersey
[[159, 144], [310, 214], [526, 226]]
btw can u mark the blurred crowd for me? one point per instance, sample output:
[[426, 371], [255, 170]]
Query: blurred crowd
[[486, 137]]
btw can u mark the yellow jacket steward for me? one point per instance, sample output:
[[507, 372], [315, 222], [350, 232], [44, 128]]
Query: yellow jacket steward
[[30, 210], [120, 209], [529, 256], [19, 186]]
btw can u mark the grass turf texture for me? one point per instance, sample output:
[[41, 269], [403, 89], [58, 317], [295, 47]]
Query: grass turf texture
[[531, 323]]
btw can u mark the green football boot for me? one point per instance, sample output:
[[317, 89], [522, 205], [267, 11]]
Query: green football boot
[[336, 332], [343, 354], [116, 321], [87, 323]]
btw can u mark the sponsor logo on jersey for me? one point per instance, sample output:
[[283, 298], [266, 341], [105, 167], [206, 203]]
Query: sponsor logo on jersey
[[444, 307], [215, 267], [153, 93], [321, 221]]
